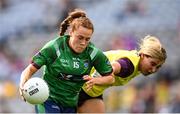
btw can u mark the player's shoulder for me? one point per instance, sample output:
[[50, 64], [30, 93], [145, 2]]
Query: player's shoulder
[[91, 47], [59, 40], [94, 52]]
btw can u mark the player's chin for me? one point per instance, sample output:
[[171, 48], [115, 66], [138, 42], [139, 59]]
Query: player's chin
[[79, 50], [146, 74]]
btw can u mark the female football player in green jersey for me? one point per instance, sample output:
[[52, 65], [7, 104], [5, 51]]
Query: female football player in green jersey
[[68, 61], [126, 65]]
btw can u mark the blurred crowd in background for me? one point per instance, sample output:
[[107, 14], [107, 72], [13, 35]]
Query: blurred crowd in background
[[26, 25]]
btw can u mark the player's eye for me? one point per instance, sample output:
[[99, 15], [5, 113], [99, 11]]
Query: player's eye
[[87, 39], [80, 37], [153, 64]]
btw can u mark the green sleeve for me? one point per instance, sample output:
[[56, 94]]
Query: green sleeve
[[45, 56], [102, 63]]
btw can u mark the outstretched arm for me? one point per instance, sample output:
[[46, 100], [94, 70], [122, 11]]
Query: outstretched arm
[[103, 80]]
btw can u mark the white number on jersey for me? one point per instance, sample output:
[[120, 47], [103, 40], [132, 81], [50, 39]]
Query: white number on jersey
[[75, 64]]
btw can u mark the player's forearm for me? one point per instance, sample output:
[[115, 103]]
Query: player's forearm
[[104, 80], [27, 74]]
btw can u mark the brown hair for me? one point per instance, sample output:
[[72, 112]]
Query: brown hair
[[76, 19]]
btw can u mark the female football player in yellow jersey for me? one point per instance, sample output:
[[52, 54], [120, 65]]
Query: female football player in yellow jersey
[[126, 65]]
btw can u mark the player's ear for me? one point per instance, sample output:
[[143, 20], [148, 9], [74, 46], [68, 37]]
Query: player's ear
[[70, 32]]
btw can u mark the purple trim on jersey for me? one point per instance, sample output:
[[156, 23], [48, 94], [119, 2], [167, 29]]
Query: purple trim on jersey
[[35, 65], [127, 67], [106, 74]]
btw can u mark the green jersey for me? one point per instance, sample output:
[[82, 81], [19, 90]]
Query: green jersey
[[64, 68]]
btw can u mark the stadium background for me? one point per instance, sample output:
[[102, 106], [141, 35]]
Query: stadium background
[[26, 25]]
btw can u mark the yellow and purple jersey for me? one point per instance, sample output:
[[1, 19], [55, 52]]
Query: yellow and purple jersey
[[128, 60]]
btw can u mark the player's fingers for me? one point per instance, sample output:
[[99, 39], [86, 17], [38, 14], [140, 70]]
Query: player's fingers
[[22, 97], [21, 94], [86, 77], [20, 91], [89, 85], [89, 88]]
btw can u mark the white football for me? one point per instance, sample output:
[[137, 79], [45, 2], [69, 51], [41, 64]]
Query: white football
[[36, 91]]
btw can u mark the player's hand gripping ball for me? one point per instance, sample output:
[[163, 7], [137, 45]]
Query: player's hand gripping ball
[[36, 91]]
